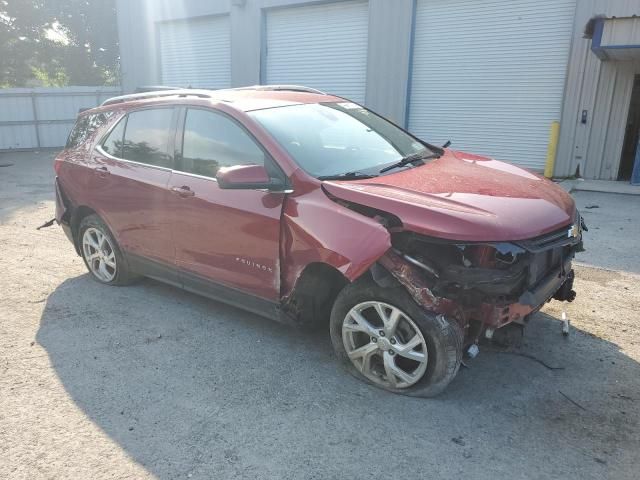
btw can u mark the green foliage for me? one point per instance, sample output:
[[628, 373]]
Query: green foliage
[[47, 78], [58, 42]]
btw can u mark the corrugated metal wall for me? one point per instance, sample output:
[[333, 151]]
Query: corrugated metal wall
[[320, 46], [387, 59], [603, 90], [490, 75], [42, 117], [196, 53]]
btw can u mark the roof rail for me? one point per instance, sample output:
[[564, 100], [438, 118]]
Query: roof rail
[[184, 92], [289, 88], [157, 94], [155, 88]]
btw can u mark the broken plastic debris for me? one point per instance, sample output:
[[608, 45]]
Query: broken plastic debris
[[565, 324]]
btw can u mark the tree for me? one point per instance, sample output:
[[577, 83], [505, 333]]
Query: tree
[[58, 42]]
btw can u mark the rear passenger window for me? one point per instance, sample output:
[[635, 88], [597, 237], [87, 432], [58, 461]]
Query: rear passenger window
[[146, 137], [212, 140], [85, 127], [113, 144]]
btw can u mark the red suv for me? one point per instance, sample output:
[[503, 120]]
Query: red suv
[[305, 207]]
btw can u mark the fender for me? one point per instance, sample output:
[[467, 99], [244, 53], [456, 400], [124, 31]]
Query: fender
[[316, 229]]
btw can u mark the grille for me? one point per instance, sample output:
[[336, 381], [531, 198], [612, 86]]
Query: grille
[[557, 238], [544, 263], [549, 251]]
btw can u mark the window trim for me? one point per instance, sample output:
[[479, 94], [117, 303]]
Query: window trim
[[133, 162], [66, 145], [179, 142], [85, 116], [125, 118]]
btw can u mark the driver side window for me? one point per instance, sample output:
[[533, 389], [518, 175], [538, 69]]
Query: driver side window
[[211, 141]]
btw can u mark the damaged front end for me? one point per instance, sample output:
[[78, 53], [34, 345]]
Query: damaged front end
[[483, 286]]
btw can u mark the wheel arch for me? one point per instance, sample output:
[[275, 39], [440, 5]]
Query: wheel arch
[[314, 293], [78, 214]]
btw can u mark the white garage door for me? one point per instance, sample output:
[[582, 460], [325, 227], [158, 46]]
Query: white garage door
[[196, 53], [489, 75], [319, 46]]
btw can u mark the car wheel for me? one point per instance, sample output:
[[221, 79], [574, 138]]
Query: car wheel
[[101, 253], [384, 338]]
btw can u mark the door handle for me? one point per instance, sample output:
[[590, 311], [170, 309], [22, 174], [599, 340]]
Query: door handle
[[183, 191], [102, 172]]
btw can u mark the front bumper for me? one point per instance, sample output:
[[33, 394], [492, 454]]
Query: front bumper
[[492, 315], [530, 301]]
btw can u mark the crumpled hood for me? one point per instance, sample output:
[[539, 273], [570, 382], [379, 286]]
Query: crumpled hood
[[462, 196]]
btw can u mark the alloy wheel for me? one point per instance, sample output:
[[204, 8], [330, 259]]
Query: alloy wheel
[[99, 254], [385, 344]]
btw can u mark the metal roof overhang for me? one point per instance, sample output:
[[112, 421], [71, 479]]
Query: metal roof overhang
[[616, 39]]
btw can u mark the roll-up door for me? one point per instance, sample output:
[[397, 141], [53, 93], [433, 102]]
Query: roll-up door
[[320, 46], [196, 52], [490, 75]]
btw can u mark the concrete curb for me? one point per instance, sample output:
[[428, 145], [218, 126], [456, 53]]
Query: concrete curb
[[601, 186]]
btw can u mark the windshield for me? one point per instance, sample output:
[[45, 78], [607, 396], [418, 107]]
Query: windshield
[[330, 139]]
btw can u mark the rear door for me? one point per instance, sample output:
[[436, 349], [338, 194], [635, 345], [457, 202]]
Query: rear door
[[230, 237], [132, 169]]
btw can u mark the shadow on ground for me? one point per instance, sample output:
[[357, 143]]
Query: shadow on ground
[[191, 388]]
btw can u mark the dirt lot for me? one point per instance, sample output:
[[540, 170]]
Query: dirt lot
[[151, 382]]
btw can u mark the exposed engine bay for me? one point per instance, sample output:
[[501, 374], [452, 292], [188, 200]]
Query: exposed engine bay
[[484, 285]]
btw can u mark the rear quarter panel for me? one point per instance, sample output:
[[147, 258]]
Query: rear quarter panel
[[75, 167]]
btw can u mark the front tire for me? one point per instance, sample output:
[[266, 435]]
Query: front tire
[[383, 337], [101, 253]]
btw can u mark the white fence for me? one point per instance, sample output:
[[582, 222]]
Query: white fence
[[32, 118]]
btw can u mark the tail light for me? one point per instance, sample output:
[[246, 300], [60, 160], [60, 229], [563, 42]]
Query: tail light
[[57, 164]]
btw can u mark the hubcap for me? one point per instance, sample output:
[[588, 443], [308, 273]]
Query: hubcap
[[99, 254], [384, 344]]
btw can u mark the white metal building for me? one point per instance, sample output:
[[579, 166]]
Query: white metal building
[[489, 75]]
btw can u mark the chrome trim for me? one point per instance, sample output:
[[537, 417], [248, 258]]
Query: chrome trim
[[189, 174], [108, 155], [180, 172], [157, 94], [280, 88], [104, 136], [195, 175], [203, 93], [266, 190]]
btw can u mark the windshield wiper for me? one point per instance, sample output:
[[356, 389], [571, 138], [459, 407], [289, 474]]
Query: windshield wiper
[[416, 157], [346, 176]]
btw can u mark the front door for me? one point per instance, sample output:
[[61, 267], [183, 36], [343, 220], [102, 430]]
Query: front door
[[230, 237]]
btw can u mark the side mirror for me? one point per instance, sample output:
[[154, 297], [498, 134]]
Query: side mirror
[[246, 177]]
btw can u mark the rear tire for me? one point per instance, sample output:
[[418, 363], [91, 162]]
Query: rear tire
[[101, 253], [380, 355]]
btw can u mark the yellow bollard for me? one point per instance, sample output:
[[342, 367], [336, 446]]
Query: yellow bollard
[[554, 134]]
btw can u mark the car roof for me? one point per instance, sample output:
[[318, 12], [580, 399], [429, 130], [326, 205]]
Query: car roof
[[245, 99]]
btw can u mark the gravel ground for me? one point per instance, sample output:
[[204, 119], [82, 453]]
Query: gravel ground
[[151, 382]]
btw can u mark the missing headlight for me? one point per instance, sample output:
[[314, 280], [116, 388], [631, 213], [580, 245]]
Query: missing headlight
[[490, 255]]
